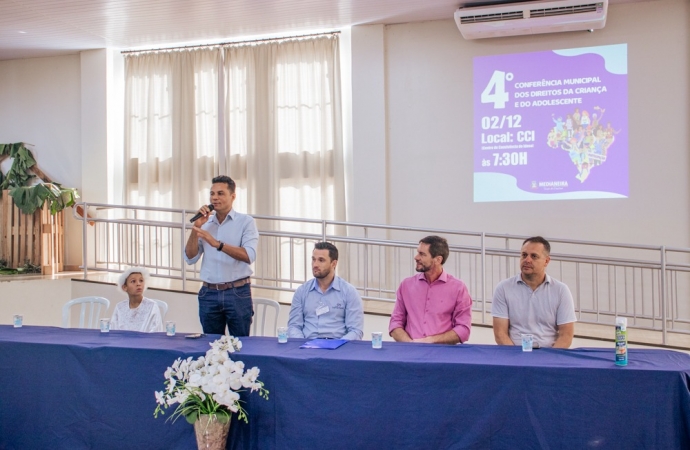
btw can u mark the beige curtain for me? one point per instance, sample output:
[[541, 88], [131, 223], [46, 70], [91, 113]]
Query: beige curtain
[[284, 141], [171, 127], [280, 128], [284, 127]]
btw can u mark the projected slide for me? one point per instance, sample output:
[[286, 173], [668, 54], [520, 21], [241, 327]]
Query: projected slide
[[551, 125]]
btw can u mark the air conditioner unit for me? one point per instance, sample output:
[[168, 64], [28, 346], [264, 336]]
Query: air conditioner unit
[[476, 22]]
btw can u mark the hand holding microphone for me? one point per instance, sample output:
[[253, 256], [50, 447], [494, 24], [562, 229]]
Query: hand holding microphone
[[201, 214]]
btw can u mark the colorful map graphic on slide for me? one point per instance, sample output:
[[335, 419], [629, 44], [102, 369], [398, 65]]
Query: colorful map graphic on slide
[[551, 125]]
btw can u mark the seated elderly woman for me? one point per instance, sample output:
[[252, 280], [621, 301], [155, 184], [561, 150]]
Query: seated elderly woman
[[138, 313]]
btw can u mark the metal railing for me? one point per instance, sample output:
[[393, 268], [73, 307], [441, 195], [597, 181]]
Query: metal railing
[[647, 284]]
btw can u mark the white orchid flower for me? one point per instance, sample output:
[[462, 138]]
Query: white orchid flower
[[235, 384], [212, 379], [160, 398], [194, 380]]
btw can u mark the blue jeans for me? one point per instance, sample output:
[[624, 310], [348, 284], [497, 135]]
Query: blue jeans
[[232, 307]]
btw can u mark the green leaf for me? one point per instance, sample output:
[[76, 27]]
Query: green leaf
[[25, 157], [29, 199], [223, 417]]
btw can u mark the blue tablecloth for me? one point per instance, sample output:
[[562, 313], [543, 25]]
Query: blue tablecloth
[[78, 389]]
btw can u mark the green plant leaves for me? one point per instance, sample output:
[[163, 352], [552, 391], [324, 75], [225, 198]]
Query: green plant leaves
[[18, 175], [30, 198]]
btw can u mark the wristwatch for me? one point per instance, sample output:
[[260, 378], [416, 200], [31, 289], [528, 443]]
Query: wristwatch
[[220, 247]]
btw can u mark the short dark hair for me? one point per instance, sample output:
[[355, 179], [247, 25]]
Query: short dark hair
[[539, 240], [225, 179], [332, 250], [438, 246]]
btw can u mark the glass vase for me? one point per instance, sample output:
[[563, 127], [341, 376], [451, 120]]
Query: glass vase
[[211, 432]]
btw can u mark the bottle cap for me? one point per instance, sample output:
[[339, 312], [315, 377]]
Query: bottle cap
[[622, 322]]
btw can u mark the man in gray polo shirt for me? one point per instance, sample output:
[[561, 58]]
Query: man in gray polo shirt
[[533, 302]]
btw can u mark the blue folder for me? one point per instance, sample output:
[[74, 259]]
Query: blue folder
[[329, 344]]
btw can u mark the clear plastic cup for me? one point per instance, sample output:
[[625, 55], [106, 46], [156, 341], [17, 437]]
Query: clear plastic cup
[[105, 325], [282, 335], [527, 342], [377, 339], [170, 328], [17, 320]]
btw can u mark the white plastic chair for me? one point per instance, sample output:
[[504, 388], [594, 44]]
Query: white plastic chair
[[261, 305], [93, 304], [163, 307]]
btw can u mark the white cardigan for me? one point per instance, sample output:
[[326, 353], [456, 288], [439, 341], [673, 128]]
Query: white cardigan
[[146, 317]]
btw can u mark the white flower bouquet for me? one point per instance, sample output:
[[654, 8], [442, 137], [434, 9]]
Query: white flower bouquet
[[209, 385]]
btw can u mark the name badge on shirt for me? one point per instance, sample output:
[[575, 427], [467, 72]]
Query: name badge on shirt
[[321, 308]]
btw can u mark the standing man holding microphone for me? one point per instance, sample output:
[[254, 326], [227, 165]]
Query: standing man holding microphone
[[228, 241]]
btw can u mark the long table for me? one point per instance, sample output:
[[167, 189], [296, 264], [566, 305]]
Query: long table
[[80, 389]]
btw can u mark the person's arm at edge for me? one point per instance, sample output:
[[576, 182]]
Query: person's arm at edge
[[449, 337], [396, 326], [501, 322], [566, 331], [354, 315], [462, 315], [246, 252], [501, 334], [193, 248], [400, 335], [296, 318], [238, 253]]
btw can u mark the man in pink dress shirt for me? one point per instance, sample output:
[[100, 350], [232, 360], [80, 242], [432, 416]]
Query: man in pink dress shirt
[[432, 306]]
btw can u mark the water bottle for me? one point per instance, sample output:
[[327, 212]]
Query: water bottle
[[621, 341]]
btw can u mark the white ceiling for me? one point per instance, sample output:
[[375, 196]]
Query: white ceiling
[[38, 28]]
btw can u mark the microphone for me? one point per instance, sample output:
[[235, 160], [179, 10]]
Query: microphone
[[199, 215]]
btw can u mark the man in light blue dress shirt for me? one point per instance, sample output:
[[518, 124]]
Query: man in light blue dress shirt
[[227, 240], [326, 306]]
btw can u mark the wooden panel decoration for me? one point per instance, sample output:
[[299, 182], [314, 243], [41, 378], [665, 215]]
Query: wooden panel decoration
[[38, 237]]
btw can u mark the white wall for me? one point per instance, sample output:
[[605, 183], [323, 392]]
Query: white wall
[[370, 183], [39, 301], [40, 105], [40, 101], [94, 124], [429, 141]]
